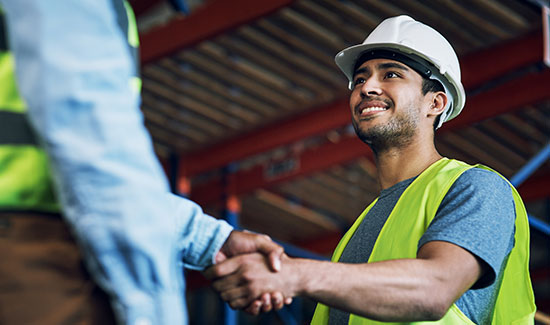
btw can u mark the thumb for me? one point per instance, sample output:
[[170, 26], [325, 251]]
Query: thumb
[[220, 257], [273, 250]]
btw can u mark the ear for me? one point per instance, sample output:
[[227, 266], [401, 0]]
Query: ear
[[438, 103]]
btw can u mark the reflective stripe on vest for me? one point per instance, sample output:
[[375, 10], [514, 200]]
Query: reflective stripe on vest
[[3, 38], [15, 129], [400, 235]]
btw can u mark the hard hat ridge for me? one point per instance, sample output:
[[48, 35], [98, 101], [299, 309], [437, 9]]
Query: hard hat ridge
[[414, 41]]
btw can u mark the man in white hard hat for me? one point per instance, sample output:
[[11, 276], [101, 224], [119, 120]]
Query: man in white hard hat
[[444, 242]]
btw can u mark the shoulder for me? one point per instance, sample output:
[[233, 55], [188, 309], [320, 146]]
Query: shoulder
[[479, 190], [482, 177], [477, 214], [482, 185]]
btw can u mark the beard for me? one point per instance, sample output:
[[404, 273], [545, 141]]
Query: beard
[[397, 133]]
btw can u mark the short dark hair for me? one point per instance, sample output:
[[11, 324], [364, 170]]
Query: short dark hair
[[431, 85]]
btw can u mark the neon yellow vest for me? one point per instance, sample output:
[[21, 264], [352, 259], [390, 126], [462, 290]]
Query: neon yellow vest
[[25, 180], [400, 235]]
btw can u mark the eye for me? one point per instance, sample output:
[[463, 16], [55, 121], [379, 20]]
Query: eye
[[390, 75], [358, 81]]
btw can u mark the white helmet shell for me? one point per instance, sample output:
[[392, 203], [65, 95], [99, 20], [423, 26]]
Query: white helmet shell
[[411, 38]]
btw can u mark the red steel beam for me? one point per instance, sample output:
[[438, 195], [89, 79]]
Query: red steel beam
[[536, 187], [526, 90], [211, 19], [326, 118], [488, 64], [505, 98], [477, 68], [307, 162]]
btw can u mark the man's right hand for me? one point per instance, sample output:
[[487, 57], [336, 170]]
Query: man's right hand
[[242, 242], [246, 281]]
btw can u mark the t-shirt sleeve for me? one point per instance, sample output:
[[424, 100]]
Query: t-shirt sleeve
[[477, 214]]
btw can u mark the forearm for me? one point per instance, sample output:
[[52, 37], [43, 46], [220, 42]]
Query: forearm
[[199, 236], [397, 290]]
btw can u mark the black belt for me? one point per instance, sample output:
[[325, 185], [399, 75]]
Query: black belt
[[15, 129]]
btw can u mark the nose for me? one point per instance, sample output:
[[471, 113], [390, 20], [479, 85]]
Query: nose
[[371, 87]]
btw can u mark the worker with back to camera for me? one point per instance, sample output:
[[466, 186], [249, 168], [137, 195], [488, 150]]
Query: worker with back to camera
[[445, 242], [73, 62]]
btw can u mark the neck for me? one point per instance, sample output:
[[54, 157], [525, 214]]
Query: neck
[[398, 164]]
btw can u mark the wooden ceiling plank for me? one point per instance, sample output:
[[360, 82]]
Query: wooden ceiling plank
[[246, 50], [448, 150], [308, 196], [537, 118], [475, 20], [309, 27], [342, 206], [220, 89], [495, 129], [471, 30], [333, 78], [367, 184], [520, 126], [474, 150], [529, 11], [277, 223], [461, 40], [176, 113], [330, 20], [506, 15], [222, 54], [235, 109], [338, 185], [364, 20], [211, 19], [254, 72], [198, 94], [162, 121], [190, 104], [218, 71], [296, 211], [384, 8], [494, 147], [296, 42], [167, 138]]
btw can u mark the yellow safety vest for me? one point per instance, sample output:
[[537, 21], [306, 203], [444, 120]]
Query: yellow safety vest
[[400, 235], [25, 180]]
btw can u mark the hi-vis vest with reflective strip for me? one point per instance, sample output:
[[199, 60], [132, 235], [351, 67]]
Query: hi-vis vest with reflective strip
[[25, 180], [400, 235]]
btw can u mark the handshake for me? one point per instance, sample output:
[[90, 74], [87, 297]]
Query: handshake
[[252, 273]]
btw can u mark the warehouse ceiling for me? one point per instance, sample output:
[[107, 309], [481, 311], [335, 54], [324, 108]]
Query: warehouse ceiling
[[246, 96]]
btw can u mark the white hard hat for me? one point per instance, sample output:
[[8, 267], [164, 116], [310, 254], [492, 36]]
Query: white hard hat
[[419, 46]]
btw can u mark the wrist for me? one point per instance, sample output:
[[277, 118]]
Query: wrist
[[298, 275]]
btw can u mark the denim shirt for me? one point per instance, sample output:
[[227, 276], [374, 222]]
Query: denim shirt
[[73, 68]]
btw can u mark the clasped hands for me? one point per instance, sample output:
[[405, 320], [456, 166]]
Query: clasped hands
[[248, 273]]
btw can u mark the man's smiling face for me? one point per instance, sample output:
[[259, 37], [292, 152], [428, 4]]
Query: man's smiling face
[[386, 103]]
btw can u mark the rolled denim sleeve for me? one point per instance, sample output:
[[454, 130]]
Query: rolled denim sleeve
[[200, 236], [73, 69]]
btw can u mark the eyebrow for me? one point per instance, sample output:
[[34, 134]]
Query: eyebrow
[[383, 66]]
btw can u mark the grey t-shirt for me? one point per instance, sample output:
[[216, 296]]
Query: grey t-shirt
[[477, 214]]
